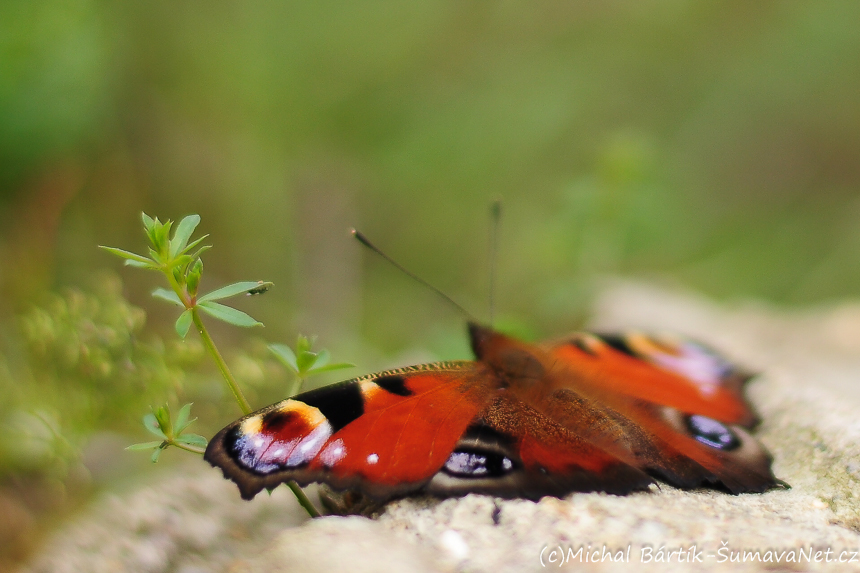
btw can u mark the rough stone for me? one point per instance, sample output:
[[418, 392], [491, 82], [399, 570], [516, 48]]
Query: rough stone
[[808, 394]]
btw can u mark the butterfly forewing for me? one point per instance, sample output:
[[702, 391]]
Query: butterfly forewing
[[386, 433]]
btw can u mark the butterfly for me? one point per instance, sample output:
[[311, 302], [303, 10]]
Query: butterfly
[[589, 412]]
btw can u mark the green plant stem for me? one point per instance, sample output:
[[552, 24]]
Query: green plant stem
[[209, 343], [303, 499], [187, 448], [231, 382], [219, 361], [296, 386]]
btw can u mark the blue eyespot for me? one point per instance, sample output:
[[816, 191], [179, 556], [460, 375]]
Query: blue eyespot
[[712, 433], [478, 464]]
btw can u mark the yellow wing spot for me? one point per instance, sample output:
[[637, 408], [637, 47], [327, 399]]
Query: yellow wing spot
[[368, 389], [649, 345], [310, 415], [252, 425], [592, 343]]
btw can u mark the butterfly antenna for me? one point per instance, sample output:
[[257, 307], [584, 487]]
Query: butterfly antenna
[[366, 242], [495, 220]]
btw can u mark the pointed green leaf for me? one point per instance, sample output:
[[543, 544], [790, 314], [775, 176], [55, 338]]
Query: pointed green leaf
[[329, 368], [193, 440], [156, 454], [138, 264], [180, 262], [144, 446], [228, 314], [126, 254], [177, 266], [306, 360], [152, 230], [286, 355], [183, 232], [163, 235], [200, 251], [192, 280], [323, 356], [231, 290], [167, 295], [153, 254], [162, 416], [182, 420], [148, 223], [193, 244], [303, 344], [155, 233], [150, 422], [183, 323]]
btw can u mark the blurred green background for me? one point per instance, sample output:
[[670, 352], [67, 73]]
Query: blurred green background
[[711, 144]]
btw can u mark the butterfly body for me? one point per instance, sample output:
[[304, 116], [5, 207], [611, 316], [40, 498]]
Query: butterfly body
[[588, 413]]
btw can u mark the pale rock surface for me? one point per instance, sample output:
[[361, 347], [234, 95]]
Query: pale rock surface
[[354, 544], [190, 522], [808, 394]]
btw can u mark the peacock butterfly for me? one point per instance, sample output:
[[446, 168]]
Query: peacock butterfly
[[591, 412]]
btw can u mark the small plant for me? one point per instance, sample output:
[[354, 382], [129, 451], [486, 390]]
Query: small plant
[[303, 363], [178, 259], [172, 257], [171, 434]]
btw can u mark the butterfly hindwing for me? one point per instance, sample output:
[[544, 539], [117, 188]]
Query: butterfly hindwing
[[678, 405], [535, 456], [626, 438], [738, 462]]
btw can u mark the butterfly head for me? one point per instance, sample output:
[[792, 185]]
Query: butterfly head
[[510, 358], [480, 338]]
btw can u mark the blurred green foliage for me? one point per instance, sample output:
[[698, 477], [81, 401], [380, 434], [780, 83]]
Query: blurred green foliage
[[83, 364], [82, 367], [712, 142], [709, 143]]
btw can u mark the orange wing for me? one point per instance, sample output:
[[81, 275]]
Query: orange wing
[[594, 413], [449, 427], [670, 407], [386, 433], [677, 373]]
